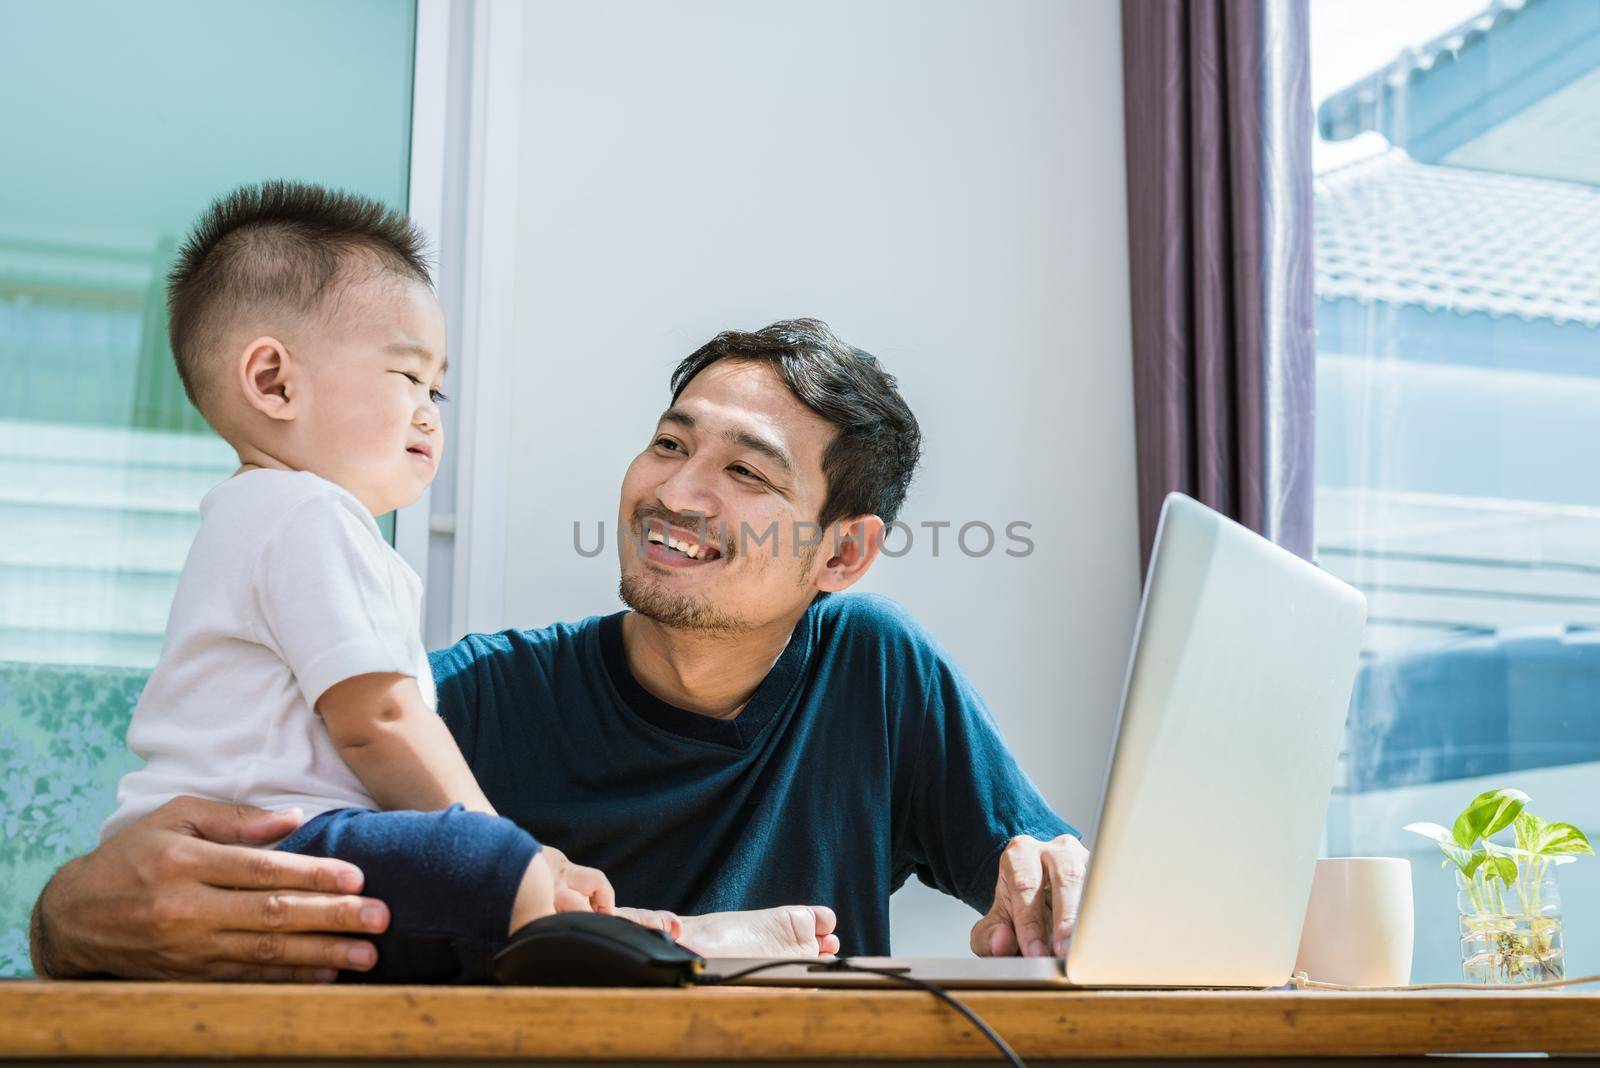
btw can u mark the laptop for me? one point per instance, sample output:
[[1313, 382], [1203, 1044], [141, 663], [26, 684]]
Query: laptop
[[1233, 710]]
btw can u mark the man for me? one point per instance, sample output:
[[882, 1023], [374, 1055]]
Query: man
[[745, 737]]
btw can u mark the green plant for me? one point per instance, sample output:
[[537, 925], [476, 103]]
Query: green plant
[[1515, 939], [1469, 846]]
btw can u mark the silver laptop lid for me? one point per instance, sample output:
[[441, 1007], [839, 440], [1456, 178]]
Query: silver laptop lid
[[1231, 722], [959, 973]]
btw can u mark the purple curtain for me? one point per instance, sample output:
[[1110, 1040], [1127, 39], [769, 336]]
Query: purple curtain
[[1218, 110]]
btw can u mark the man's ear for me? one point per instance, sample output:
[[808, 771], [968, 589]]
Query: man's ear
[[268, 375], [854, 543]]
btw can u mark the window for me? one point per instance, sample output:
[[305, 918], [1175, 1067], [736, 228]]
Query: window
[[122, 122], [1458, 348]]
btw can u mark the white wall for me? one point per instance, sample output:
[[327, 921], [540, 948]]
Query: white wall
[[940, 181]]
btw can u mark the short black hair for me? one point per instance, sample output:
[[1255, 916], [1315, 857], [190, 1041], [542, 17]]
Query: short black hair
[[277, 243], [870, 461]]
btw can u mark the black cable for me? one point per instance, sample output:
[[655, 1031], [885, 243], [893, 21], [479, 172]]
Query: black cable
[[764, 966], [845, 964]]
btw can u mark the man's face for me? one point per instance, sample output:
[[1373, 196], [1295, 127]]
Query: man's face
[[733, 474]]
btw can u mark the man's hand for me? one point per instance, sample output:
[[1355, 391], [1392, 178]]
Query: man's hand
[[181, 894], [1035, 899]]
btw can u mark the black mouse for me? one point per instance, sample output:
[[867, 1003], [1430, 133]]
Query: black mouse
[[593, 949]]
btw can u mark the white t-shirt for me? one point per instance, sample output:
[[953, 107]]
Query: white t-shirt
[[289, 588]]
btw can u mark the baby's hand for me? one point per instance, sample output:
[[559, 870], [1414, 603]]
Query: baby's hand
[[579, 889], [655, 919]]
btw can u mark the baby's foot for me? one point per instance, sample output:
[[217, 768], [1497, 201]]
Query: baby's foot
[[790, 931], [655, 919]]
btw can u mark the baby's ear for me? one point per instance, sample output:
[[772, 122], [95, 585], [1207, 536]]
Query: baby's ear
[[266, 372]]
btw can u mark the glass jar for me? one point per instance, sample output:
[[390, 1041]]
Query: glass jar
[[1511, 933]]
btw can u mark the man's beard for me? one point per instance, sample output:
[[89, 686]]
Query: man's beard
[[686, 611], [681, 611], [652, 599]]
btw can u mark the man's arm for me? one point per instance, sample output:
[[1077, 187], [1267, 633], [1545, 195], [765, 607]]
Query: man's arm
[[978, 828], [184, 894], [45, 962]]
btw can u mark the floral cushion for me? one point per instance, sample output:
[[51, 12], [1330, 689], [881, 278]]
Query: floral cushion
[[62, 750]]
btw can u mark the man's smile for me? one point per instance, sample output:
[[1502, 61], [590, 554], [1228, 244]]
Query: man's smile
[[675, 547]]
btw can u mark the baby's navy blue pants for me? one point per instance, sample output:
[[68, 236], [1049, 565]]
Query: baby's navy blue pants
[[449, 878]]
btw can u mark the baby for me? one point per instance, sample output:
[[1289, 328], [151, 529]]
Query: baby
[[306, 331]]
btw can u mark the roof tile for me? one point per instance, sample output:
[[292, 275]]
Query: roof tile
[[1393, 230]]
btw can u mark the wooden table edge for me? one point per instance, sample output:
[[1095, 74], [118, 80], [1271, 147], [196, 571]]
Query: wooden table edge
[[185, 1020]]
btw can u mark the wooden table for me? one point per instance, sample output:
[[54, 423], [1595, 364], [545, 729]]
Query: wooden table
[[81, 1021]]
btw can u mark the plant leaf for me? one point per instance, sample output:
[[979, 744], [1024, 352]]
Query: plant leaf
[[1428, 830], [1504, 867], [1527, 827], [1488, 813], [1556, 839], [1502, 860], [1461, 858]]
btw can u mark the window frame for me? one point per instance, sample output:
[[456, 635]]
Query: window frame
[[465, 159]]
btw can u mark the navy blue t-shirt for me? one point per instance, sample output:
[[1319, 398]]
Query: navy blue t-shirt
[[864, 756]]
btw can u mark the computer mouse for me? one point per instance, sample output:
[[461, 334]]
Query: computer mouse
[[593, 949]]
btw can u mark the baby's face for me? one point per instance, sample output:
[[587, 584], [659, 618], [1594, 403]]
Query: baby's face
[[371, 419]]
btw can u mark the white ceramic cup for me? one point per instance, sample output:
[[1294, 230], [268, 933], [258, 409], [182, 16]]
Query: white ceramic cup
[[1359, 923]]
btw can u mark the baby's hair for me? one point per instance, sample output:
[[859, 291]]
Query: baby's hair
[[280, 244]]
